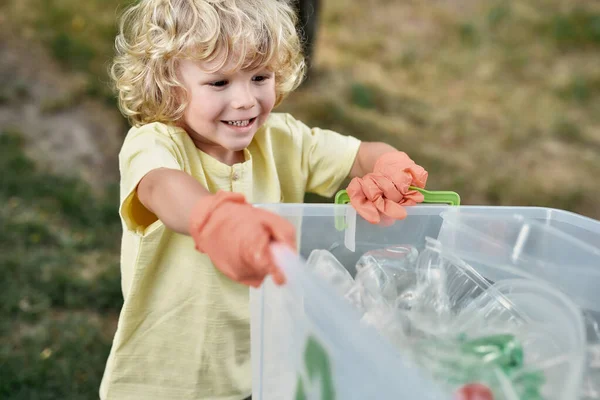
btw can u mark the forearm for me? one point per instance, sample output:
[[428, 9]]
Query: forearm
[[171, 195], [368, 153]]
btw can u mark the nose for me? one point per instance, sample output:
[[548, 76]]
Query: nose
[[243, 98]]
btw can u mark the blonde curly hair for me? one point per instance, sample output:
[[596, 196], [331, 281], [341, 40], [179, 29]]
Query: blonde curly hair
[[155, 34]]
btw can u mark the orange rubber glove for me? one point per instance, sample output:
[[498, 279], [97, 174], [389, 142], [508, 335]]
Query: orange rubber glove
[[237, 236], [382, 193]]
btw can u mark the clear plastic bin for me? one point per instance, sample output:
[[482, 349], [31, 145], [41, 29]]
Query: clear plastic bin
[[502, 247], [307, 341]]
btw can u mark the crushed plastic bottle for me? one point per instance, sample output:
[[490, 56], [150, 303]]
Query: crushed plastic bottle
[[387, 277], [325, 265], [398, 257]]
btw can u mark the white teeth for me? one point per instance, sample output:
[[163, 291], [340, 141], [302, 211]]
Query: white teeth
[[245, 122]]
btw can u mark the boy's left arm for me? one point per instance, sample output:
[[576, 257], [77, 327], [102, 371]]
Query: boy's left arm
[[367, 155], [381, 180]]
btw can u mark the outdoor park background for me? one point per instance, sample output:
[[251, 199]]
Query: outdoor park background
[[498, 100]]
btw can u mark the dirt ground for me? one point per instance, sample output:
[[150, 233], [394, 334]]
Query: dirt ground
[[65, 130]]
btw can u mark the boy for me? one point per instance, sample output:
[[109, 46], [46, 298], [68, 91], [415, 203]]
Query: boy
[[198, 80]]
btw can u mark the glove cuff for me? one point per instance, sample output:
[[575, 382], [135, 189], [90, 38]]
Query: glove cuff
[[205, 209], [390, 164], [392, 157]]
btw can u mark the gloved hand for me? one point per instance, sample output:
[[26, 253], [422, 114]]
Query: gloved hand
[[237, 237], [382, 193]]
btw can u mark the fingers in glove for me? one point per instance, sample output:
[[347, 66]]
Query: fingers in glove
[[393, 210], [280, 229], [278, 276], [386, 221], [363, 206], [419, 176], [393, 165], [254, 282], [255, 260], [387, 188], [412, 197]]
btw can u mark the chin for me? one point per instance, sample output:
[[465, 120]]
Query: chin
[[239, 145]]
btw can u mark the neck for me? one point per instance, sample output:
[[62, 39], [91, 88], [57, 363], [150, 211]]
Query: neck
[[231, 157], [225, 156], [217, 152]]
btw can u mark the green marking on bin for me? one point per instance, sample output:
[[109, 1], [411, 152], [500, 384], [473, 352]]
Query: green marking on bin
[[318, 368]]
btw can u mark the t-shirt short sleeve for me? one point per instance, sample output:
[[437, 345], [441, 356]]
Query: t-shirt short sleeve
[[327, 157], [144, 149]]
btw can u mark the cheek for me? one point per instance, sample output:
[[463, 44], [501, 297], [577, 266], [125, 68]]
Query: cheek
[[202, 110], [269, 97]]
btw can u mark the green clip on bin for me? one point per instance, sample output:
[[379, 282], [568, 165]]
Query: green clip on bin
[[431, 197]]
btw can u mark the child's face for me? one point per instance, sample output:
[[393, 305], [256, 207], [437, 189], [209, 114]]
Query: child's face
[[225, 110]]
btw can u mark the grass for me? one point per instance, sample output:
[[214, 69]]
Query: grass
[[461, 87], [60, 281], [499, 101], [576, 29], [80, 35]]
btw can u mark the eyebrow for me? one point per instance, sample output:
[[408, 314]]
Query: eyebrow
[[227, 75]]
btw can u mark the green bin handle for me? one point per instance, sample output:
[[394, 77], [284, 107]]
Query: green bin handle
[[429, 196]]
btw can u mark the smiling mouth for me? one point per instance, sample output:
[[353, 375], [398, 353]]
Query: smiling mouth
[[241, 122]]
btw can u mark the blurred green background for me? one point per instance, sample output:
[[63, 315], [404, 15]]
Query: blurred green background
[[498, 100]]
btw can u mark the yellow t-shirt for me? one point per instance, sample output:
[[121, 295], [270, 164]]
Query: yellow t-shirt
[[184, 329]]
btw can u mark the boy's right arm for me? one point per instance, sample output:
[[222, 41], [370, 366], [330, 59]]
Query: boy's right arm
[[234, 234], [171, 195]]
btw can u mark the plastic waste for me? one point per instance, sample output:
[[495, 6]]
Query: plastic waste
[[519, 338], [387, 277], [325, 265], [495, 361]]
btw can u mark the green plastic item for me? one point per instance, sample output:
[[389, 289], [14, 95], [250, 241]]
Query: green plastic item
[[430, 196], [502, 349], [476, 360]]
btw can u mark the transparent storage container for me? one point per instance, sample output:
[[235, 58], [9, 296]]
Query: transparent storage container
[[307, 342]]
